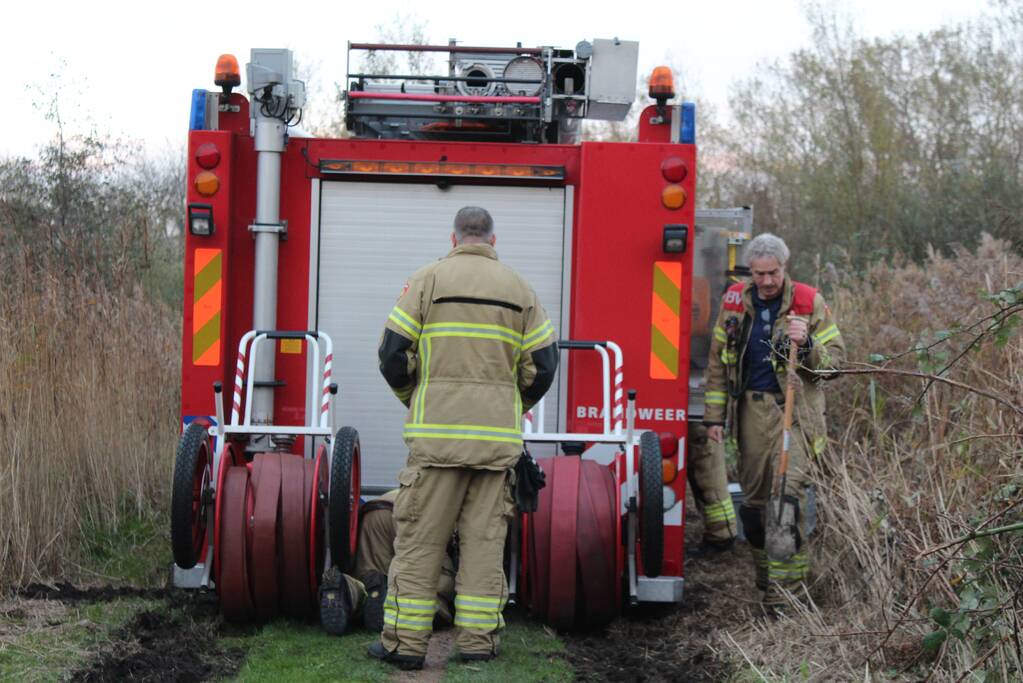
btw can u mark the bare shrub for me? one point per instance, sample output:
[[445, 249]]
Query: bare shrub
[[916, 468]]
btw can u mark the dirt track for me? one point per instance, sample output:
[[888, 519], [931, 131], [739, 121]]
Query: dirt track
[[176, 644], [672, 644], [182, 642]]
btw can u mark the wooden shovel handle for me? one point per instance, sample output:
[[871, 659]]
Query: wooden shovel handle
[[790, 392]]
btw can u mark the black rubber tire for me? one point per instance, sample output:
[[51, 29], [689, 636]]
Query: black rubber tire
[[343, 462], [651, 504], [193, 450]]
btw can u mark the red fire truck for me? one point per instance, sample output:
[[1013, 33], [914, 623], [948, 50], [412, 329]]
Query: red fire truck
[[297, 247]]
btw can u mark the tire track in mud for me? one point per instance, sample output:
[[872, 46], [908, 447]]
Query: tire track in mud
[[180, 644]]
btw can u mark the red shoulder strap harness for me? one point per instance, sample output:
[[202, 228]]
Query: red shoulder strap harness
[[733, 298], [802, 298]]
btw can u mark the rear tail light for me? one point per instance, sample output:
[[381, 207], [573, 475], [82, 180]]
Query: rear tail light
[[673, 197], [674, 170], [207, 183], [669, 444], [669, 470], [207, 155]]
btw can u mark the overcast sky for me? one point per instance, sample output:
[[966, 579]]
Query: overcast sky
[[129, 67]]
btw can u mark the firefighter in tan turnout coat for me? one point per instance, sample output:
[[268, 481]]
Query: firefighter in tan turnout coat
[[468, 348], [745, 391]]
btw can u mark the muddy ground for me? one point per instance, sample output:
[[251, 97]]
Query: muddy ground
[[181, 642], [676, 644], [177, 643]]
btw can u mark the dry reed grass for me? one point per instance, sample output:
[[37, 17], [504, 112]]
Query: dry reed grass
[[904, 477], [89, 395]]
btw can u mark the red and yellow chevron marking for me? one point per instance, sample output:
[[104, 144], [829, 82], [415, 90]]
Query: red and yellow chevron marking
[[664, 320], [206, 307]]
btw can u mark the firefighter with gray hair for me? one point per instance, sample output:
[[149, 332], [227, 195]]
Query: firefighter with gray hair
[[468, 348], [746, 378]]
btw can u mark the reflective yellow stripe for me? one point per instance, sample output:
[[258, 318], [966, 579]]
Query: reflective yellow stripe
[[729, 357], [795, 569], [410, 601], [412, 434], [722, 511], [408, 320], [475, 428], [424, 348], [719, 333], [474, 331], [545, 326], [397, 321], [476, 600], [407, 625], [490, 623], [715, 398], [403, 394], [541, 334], [404, 605], [826, 335]]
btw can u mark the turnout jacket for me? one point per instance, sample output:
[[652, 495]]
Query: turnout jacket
[[824, 352], [468, 348]]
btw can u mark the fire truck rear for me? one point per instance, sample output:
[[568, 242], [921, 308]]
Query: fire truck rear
[[298, 246]]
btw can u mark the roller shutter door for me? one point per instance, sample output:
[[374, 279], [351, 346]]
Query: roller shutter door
[[372, 236]]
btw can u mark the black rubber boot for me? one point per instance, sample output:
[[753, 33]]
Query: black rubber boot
[[335, 602], [403, 662], [376, 593], [709, 548], [476, 656]]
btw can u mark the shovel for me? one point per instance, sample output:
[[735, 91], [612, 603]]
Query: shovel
[[780, 541]]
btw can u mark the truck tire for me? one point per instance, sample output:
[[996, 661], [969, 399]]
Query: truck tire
[[193, 472], [651, 504], [343, 507]]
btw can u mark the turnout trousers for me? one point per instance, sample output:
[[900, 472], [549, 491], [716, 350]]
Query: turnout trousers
[[760, 438], [433, 503], [709, 479]]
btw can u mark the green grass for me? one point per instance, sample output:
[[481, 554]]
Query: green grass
[[47, 643], [528, 653], [288, 651], [135, 550]]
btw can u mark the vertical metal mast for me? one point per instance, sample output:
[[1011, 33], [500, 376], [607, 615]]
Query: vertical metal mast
[[274, 100]]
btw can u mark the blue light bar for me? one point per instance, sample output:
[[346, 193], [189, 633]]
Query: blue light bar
[[687, 129], [197, 117]]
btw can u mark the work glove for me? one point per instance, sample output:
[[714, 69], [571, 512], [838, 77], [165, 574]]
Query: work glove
[[529, 479]]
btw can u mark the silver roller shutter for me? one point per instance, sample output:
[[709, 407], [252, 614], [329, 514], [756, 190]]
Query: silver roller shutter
[[372, 236]]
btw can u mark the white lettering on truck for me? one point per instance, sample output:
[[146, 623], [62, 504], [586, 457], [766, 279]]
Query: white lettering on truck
[[648, 414]]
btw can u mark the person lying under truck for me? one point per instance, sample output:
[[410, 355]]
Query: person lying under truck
[[346, 599]]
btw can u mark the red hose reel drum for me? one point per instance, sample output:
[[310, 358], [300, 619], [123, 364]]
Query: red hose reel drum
[[574, 569], [270, 529]]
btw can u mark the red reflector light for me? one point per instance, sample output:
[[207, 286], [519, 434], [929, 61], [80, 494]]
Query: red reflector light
[[207, 183], [207, 155], [669, 444], [674, 170], [673, 197]]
